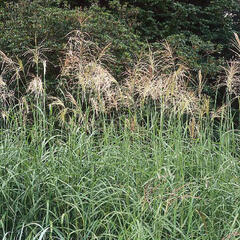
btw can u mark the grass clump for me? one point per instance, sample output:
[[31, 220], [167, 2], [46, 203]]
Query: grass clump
[[147, 158]]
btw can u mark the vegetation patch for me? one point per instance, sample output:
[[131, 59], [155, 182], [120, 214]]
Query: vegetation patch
[[104, 138]]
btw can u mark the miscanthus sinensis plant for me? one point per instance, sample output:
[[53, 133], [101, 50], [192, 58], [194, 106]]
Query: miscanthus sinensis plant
[[147, 158]]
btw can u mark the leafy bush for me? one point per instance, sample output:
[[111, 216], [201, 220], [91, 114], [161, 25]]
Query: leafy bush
[[45, 25], [211, 20], [200, 30], [25, 23]]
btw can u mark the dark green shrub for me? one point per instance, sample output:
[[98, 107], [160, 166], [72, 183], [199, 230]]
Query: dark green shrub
[[211, 20], [201, 31], [26, 24]]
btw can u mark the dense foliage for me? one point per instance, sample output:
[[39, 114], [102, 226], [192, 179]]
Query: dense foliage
[[47, 23], [200, 32]]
